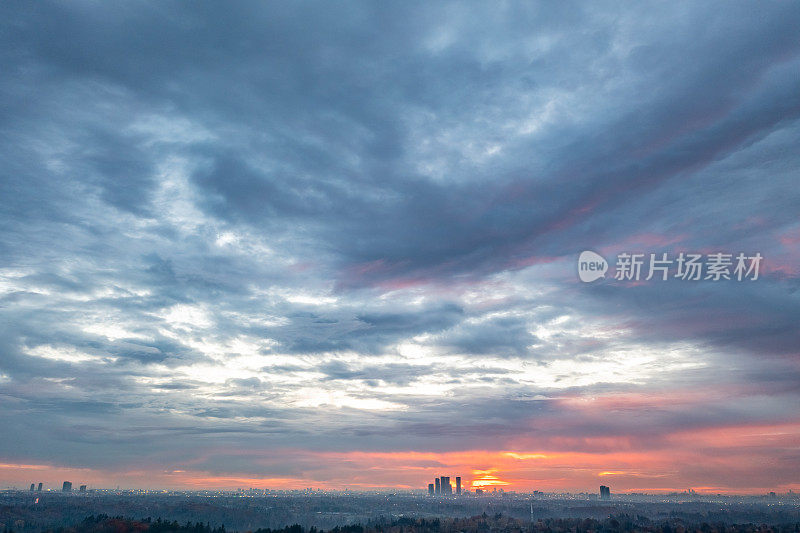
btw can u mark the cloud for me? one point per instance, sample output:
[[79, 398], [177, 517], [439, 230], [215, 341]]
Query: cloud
[[336, 229]]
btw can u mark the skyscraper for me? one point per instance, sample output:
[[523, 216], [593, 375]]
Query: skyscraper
[[32, 486], [67, 487], [441, 485], [39, 489], [605, 492]]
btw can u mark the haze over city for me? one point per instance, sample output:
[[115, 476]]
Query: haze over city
[[335, 246]]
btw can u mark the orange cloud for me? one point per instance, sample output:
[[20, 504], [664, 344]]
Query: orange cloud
[[743, 458]]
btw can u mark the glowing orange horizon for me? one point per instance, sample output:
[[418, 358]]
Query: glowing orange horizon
[[745, 464]]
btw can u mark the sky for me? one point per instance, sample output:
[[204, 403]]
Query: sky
[[334, 244]]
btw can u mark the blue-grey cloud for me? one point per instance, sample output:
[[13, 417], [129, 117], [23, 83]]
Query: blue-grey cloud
[[353, 226]]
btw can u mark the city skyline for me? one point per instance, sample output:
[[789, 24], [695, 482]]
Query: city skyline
[[456, 489], [337, 245]]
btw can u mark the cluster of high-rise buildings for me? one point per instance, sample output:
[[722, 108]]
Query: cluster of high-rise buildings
[[441, 485], [66, 487]]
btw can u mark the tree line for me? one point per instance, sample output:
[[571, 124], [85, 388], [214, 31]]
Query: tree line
[[477, 524]]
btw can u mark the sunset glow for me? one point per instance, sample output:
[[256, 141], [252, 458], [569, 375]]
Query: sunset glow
[[539, 246], [657, 470]]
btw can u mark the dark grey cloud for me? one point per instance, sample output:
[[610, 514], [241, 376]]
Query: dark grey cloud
[[355, 226]]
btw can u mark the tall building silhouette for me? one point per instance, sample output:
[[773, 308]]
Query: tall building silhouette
[[67, 487], [39, 488], [82, 488], [441, 485], [605, 492], [32, 486]]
